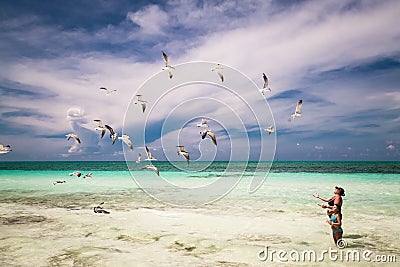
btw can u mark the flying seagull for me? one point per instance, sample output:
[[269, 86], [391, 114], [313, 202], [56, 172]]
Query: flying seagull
[[168, 66], [265, 86], [297, 113], [76, 173], [4, 149], [113, 135], [75, 136], [210, 134], [88, 175], [203, 123], [108, 91], [184, 153], [139, 158], [101, 128], [141, 101], [126, 139], [152, 167], [270, 130], [218, 69], [149, 156]]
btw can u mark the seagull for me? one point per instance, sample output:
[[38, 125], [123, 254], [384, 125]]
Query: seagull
[[203, 123], [141, 101], [218, 69], [154, 168], [99, 209], [76, 173], [265, 86], [139, 158], [183, 153], [149, 156], [108, 91], [100, 127], [297, 113], [59, 182], [270, 129], [126, 139], [4, 149], [113, 135], [210, 134], [88, 175], [75, 136], [167, 65]]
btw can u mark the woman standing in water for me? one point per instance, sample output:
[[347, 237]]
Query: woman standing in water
[[336, 199]]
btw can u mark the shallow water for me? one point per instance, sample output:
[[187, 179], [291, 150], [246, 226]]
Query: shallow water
[[282, 213]]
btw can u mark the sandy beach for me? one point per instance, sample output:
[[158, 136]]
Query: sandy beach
[[63, 230]]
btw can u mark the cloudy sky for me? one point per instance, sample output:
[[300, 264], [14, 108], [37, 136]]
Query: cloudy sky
[[342, 58]]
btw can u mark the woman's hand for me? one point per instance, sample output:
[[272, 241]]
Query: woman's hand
[[316, 195]]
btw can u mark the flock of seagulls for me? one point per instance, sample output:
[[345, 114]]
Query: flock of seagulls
[[218, 69]]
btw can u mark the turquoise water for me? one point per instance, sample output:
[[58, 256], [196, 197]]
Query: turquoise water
[[375, 183], [370, 209]]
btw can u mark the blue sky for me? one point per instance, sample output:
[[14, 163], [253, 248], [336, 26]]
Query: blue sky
[[342, 58]]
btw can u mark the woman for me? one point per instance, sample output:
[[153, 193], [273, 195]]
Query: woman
[[336, 199], [335, 221]]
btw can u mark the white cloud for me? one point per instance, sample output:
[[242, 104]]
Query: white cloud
[[151, 19]]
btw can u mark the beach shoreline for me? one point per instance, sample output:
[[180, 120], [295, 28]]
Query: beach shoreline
[[63, 230]]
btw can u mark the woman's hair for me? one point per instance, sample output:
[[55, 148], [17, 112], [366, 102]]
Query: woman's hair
[[341, 191]]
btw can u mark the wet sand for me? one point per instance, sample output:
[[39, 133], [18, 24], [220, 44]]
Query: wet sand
[[63, 230]]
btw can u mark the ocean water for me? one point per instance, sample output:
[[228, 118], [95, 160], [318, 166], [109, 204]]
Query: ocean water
[[370, 209]]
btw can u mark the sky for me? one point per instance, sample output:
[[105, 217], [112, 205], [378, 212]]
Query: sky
[[342, 58]]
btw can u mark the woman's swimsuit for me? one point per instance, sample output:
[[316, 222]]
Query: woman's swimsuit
[[334, 220], [331, 202]]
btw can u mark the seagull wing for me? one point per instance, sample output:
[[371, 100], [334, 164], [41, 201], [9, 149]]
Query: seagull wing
[[143, 106], [166, 59], [77, 139], [221, 76], [103, 132], [298, 107], [181, 148], [203, 134], [103, 88], [213, 138], [265, 81], [139, 97], [110, 129], [128, 142], [152, 167], [100, 123], [186, 155], [148, 153]]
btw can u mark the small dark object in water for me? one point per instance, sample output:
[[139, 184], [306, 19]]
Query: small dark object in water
[[99, 209]]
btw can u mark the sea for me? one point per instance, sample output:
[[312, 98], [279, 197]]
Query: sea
[[293, 181], [243, 189]]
